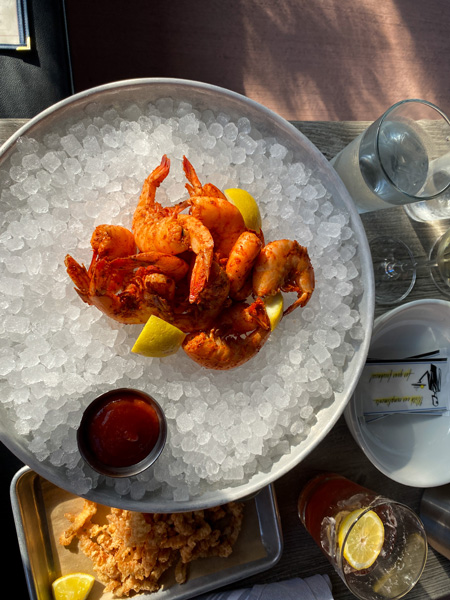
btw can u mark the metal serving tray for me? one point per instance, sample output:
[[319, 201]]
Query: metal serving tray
[[39, 507]]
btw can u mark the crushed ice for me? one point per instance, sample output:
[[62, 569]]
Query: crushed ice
[[57, 353]]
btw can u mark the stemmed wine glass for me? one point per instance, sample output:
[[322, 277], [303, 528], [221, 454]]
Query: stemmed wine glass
[[395, 267]]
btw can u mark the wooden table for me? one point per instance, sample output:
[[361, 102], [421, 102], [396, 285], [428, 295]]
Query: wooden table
[[338, 451]]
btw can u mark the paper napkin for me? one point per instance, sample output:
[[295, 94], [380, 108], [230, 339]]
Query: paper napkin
[[317, 587], [417, 385]]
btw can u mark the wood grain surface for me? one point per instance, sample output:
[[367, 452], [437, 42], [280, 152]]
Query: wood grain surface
[[329, 60], [338, 451]]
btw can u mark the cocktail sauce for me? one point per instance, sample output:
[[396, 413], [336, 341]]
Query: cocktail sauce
[[120, 429]]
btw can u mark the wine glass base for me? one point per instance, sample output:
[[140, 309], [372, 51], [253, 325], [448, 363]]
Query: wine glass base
[[436, 276], [394, 270]]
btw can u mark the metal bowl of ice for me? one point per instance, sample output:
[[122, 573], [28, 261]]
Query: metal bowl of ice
[[81, 163]]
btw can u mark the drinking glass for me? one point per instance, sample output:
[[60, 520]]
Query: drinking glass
[[401, 158], [435, 209], [395, 268], [324, 505]]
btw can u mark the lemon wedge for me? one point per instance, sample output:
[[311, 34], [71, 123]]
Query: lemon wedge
[[274, 308], [75, 586], [158, 339], [408, 568], [365, 540], [247, 206]]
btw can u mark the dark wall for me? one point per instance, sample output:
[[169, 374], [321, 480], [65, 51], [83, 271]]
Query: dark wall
[[31, 80]]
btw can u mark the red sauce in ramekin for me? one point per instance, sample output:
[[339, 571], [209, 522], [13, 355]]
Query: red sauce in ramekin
[[120, 429]]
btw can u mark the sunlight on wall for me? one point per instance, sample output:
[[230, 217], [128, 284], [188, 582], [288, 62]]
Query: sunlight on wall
[[341, 61]]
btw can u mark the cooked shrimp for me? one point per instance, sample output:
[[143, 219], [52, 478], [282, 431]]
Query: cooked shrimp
[[240, 262], [161, 229], [212, 299], [284, 265], [202, 244], [210, 206], [125, 288], [160, 284], [194, 187], [112, 241], [155, 227], [240, 333]]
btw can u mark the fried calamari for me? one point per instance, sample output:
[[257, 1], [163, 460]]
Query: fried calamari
[[132, 550]]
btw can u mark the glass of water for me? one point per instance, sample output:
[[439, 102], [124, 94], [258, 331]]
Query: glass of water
[[403, 157]]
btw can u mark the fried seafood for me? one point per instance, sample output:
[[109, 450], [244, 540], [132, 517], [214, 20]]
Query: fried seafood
[[202, 271], [131, 551], [78, 522]]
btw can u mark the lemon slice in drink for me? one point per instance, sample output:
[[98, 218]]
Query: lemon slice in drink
[[75, 586], [365, 540], [274, 307], [158, 339], [247, 206]]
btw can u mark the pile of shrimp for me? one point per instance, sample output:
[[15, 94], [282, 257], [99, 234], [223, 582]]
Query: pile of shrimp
[[197, 266]]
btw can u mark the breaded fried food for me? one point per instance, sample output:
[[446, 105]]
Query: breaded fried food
[[132, 550], [78, 521]]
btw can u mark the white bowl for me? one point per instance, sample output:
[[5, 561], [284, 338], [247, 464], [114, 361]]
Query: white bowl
[[410, 449], [206, 97]]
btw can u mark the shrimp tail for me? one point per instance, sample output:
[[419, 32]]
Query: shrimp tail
[[154, 180]]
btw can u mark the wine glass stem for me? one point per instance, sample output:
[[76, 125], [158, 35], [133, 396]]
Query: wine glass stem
[[423, 262], [394, 269]]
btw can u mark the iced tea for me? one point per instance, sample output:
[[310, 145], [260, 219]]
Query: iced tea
[[378, 546]]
